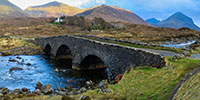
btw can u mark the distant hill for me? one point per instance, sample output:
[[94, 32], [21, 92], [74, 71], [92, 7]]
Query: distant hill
[[178, 20], [115, 14], [7, 9], [152, 21], [53, 9]]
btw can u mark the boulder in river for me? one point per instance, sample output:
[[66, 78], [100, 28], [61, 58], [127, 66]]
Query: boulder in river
[[47, 89], [37, 92], [28, 64], [15, 69], [4, 90], [90, 84], [12, 60], [38, 85], [16, 92]]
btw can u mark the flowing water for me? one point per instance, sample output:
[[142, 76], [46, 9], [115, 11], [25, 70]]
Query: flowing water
[[178, 45], [43, 70]]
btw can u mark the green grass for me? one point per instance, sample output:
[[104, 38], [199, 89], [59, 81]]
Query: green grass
[[176, 50], [145, 83], [190, 89], [8, 44]]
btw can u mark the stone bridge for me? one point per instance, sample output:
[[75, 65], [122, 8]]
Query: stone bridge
[[90, 54]]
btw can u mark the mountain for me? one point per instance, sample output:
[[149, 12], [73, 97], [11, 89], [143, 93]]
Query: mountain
[[152, 21], [53, 9], [178, 20], [115, 14], [7, 9]]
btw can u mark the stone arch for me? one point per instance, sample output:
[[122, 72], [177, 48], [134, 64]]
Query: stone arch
[[64, 55], [63, 50], [47, 49], [92, 62]]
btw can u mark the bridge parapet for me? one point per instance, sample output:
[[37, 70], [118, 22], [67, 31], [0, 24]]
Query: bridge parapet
[[85, 52]]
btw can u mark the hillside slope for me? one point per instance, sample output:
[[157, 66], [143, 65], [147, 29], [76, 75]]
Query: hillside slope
[[114, 14], [7, 9], [53, 9]]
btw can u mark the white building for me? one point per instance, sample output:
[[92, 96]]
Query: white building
[[58, 20]]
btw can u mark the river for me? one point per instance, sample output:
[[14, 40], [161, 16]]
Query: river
[[43, 70]]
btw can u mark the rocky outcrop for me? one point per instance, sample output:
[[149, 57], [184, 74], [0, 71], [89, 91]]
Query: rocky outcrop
[[46, 89]]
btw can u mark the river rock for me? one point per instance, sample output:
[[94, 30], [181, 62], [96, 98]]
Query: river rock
[[15, 69], [106, 90], [24, 89], [4, 90], [28, 64], [57, 70], [90, 84], [38, 85], [37, 92], [12, 60], [16, 92], [47, 89], [61, 93], [83, 90], [85, 98], [19, 57], [102, 84], [118, 78], [67, 98]]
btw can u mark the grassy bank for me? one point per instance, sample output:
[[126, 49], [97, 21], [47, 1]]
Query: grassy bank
[[190, 89], [13, 45], [148, 83], [144, 83]]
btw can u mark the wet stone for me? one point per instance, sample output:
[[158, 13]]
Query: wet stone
[[28, 64], [37, 91], [4, 90], [16, 92], [47, 89], [15, 69], [24, 89], [38, 85]]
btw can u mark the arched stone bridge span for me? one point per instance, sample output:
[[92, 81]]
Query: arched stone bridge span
[[91, 54]]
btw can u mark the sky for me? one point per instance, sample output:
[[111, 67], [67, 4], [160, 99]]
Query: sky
[[160, 9]]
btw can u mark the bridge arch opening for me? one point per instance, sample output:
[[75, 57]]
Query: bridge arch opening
[[94, 67], [47, 49], [92, 62], [64, 56]]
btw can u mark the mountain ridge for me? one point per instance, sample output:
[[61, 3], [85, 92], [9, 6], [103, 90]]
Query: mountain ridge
[[53, 9], [8, 9], [178, 20], [113, 14]]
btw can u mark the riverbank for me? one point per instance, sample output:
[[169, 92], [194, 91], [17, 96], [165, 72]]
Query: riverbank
[[18, 46], [141, 83]]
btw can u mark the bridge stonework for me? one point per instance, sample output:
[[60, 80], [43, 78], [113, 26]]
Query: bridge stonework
[[116, 58]]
